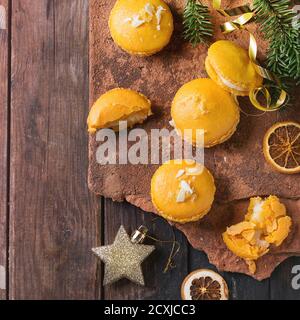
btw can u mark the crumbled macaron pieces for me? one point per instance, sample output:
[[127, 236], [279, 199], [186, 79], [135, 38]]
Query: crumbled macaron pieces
[[266, 223]]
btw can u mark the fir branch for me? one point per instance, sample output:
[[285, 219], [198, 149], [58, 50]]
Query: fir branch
[[276, 20], [197, 23]]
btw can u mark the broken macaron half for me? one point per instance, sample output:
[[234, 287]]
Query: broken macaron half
[[118, 105]]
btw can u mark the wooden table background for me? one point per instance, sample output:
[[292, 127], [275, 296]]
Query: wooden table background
[[49, 221]]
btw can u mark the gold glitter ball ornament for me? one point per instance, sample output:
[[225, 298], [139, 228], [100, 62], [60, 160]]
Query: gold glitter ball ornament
[[123, 259]]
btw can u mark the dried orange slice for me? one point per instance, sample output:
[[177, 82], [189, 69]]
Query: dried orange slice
[[204, 284], [281, 147]]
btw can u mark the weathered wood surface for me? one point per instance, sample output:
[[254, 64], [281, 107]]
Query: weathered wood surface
[[52, 214], [4, 104]]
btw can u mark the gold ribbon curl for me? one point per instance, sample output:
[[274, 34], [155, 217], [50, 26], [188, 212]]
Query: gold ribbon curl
[[246, 16]]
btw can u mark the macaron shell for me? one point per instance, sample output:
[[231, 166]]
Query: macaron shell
[[165, 187], [146, 39], [240, 247], [231, 63], [117, 104], [212, 74], [202, 104], [283, 230]]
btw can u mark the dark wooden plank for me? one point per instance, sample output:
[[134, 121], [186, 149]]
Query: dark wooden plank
[[281, 281], [53, 216], [159, 285], [4, 105], [241, 287]]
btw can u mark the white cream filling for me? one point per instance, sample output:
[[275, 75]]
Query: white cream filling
[[231, 85], [261, 243], [257, 210], [132, 119]]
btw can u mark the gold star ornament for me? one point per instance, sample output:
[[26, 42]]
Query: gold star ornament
[[123, 259]]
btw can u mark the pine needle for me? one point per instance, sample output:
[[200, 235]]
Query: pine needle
[[281, 29], [198, 28]]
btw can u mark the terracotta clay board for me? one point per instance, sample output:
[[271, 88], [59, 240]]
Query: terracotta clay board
[[238, 165]]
